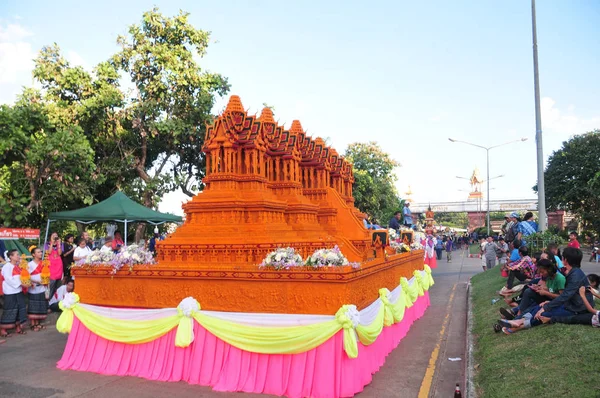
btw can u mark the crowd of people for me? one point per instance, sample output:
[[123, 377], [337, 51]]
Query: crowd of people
[[543, 287], [553, 289], [32, 302]]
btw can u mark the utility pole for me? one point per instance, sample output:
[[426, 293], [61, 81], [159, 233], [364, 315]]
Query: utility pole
[[538, 130]]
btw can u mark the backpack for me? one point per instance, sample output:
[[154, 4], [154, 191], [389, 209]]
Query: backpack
[[511, 233]]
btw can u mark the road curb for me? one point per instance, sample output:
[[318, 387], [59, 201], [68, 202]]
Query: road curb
[[470, 391]]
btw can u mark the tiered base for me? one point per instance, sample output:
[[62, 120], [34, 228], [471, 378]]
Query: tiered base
[[323, 372]]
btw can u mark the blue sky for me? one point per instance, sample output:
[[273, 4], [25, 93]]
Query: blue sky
[[405, 74]]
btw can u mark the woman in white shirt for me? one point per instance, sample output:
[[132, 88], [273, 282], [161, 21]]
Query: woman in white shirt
[[14, 314], [37, 310], [82, 251]]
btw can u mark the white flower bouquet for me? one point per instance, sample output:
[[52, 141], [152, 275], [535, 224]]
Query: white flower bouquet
[[129, 255], [327, 258], [98, 257], [132, 255], [282, 258], [393, 234], [416, 245], [400, 247]]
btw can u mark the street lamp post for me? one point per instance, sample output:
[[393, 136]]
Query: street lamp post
[[538, 129], [487, 155]]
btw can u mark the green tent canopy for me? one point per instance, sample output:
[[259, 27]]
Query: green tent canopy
[[116, 208]]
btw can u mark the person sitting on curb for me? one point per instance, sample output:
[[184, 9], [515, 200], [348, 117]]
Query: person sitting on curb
[[592, 317], [522, 270], [60, 294], [549, 286]]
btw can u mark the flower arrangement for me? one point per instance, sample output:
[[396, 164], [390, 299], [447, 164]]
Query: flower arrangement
[[393, 234], [25, 277], [98, 257], [282, 258], [327, 258], [400, 247], [129, 255], [418, 236], [45, 274], [416, 245]]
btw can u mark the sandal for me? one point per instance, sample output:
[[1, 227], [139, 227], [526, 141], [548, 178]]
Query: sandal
[[505, 323], [41, 327], [497, 328], [507, 331], [21, 331]]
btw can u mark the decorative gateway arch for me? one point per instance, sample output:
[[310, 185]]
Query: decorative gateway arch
[[225, 321]]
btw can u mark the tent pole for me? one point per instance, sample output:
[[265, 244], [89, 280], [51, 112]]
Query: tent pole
[[125, 233], [46, 238]]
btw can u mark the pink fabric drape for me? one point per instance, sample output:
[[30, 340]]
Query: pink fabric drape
[[431, 261], [323, 372]]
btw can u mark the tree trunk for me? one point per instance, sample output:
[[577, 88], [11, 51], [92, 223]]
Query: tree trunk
[[140, 231]]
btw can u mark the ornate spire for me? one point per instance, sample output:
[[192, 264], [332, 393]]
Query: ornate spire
[[234, 104], [266, 116], [296, 127]]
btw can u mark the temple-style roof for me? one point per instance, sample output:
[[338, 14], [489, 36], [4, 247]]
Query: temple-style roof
[[234, 105], [266, 116]]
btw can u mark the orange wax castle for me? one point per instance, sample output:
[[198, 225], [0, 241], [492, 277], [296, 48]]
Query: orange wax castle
[[266, 187]]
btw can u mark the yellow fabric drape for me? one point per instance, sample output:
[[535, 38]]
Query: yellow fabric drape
[[410, 295], [367, 334], [418, 285], [269, 340], [125, 331]]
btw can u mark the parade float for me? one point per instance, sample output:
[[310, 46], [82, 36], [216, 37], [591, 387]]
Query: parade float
[[272, 284]]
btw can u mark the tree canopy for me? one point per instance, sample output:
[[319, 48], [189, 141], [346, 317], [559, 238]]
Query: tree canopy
[[572, 178], [374, 178], [136, 122]]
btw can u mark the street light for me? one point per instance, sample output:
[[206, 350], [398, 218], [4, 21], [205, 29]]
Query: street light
[[538, 128], [487, 154], [493, 178]]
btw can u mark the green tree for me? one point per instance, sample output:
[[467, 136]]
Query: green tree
[[456, 220], [572, 178], [374, 178], [44, 167], [171, 104], [94, 102], [146, 140]]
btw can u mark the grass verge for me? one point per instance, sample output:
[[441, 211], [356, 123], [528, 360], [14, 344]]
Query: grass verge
[[546, 361]]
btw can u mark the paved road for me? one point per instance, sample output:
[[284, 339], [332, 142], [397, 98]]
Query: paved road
[[418, 367]]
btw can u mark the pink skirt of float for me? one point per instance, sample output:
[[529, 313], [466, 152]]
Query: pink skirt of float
[[323, 372]]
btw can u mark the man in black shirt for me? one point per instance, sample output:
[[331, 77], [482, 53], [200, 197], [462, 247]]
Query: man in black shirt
[[67, 255]]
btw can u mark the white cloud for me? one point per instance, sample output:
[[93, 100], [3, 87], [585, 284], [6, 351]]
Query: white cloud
[[566, 123], [16, 60]]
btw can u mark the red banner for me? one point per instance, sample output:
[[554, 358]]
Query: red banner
[[19, 233]]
